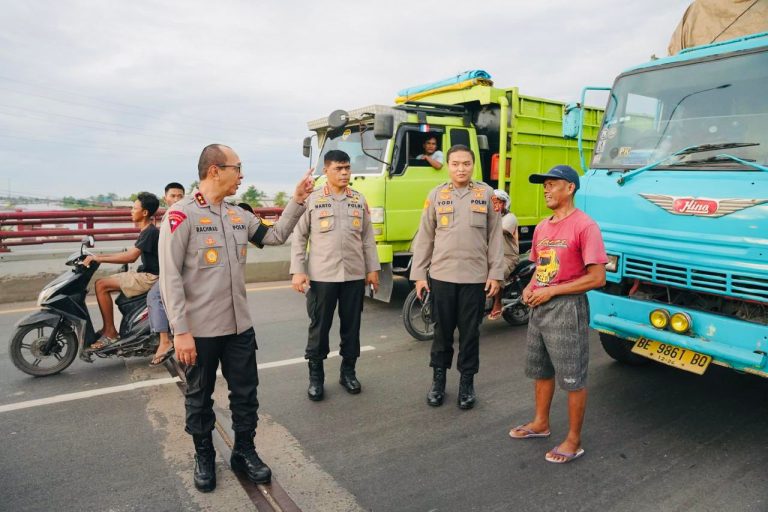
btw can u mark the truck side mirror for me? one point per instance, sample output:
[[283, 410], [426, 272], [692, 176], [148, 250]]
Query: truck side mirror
[[383, 126], [306, 148], [482, 143], [571, 121], [338, 119]]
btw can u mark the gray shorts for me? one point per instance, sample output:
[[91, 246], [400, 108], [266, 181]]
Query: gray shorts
[[158, 320], [558, 341]]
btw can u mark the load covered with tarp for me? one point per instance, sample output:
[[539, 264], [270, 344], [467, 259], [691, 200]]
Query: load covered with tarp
[[463, 80], [711, 21]]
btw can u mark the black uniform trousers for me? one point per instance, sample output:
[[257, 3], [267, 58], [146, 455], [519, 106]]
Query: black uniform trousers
[[321, 304], [237, 353], [457, 305]]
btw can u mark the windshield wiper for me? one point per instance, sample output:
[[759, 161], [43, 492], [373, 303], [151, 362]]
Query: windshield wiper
[[723, 157], [701, 148]]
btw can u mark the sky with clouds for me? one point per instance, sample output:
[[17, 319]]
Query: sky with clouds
[[109, 96]]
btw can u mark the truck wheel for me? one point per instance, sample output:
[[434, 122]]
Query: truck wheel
[[621, 350], [417, 318], [27, 347]]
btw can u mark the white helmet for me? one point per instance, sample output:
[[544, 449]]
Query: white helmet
[[500, 194]]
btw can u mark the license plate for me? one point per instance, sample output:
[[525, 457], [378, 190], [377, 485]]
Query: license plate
[[671, 355]]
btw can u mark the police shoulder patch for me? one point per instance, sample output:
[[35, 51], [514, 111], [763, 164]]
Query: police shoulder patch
[[175, 218]]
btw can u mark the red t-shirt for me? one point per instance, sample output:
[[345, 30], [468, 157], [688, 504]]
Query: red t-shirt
[[562, 250]]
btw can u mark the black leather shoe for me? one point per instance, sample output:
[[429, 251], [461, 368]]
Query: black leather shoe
[[205, 463], [437, 391], [245, 459], [315, 390], [348, 378], [467, 397]]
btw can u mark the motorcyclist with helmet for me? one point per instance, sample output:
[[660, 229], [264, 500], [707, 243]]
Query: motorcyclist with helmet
[[501, 202]]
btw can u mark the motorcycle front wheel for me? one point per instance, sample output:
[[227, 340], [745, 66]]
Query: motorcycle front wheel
[[517, 314], [28, 352], [417, 318]]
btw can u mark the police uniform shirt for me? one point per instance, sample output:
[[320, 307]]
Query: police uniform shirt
[[459, 238], [341, 241], [203, 250]]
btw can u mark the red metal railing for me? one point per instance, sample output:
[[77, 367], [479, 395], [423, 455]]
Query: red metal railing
[[59, 226]]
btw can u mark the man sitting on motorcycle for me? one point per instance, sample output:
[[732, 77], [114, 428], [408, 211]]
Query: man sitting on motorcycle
[[130, 283], [501, 204]]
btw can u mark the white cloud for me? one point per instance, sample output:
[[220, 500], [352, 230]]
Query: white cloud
[[120, 96]]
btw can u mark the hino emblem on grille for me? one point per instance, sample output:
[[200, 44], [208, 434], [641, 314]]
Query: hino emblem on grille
[[703, 207]]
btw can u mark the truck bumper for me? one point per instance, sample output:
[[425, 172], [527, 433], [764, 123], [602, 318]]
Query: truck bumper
[[730, 341]]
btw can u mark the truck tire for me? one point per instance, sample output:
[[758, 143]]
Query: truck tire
[[621, 350], [417, 318]]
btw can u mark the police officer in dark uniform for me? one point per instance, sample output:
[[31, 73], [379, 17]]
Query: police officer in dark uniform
[[460, 242], [341, 261], [203, 248]]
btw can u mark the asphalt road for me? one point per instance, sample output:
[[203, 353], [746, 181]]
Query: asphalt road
[[656, 439]]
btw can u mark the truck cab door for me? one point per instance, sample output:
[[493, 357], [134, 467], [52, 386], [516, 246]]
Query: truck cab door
[[409, 182]]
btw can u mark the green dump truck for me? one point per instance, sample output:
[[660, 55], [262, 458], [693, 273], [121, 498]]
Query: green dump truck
[[505, 129]]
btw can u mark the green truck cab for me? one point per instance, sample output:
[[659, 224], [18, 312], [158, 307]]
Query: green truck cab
[[505, 130]]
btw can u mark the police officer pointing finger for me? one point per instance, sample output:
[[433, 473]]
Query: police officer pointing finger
[[203, 250]]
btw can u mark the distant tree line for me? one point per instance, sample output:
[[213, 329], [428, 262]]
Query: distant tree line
[[253, 196]]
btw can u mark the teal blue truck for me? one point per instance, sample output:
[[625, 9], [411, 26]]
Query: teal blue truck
[[678, 182]]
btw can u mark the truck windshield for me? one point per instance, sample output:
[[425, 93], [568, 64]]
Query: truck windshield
[[656, 112], [349, 141]]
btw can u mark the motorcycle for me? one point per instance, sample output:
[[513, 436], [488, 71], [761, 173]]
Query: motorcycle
[[417, 313], [47, 341]]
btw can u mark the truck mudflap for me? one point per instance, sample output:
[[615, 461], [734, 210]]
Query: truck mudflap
[[385, 283], [730, 341]]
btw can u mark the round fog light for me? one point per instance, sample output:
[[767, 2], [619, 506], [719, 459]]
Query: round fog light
[[680, 322], [659, 318]]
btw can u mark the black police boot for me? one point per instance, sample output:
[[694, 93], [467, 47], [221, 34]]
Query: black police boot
[[245, 459], [437, 392], [316, 379], [467, 395], [348, 378], [205, 463]]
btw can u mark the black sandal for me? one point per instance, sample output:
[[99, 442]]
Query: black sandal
[[163, 358]]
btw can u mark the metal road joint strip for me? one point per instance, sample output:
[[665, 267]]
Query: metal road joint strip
[[265, 497]]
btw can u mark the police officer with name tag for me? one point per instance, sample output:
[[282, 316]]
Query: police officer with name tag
[[203, 249], [460, 243], [340, 262]]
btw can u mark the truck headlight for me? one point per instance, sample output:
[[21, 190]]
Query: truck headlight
[[377, 215], [613, 263], [680, 322], [659, 318]]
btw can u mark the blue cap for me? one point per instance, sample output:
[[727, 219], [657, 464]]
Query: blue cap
[[558, 172]]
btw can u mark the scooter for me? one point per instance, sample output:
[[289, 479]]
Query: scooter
[[47, 341], [417, 313]]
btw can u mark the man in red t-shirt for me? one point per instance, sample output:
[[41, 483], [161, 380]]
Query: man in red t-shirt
[[570, 260]]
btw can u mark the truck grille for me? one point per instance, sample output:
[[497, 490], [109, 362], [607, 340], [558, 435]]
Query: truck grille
[[705, 280]]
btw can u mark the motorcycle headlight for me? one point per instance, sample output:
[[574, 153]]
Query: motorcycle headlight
[[48, 292]]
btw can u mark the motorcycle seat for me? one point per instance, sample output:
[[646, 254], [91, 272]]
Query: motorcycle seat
[[122, 300]]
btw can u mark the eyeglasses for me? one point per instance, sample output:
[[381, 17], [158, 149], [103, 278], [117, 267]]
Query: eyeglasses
[[238, 167]]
